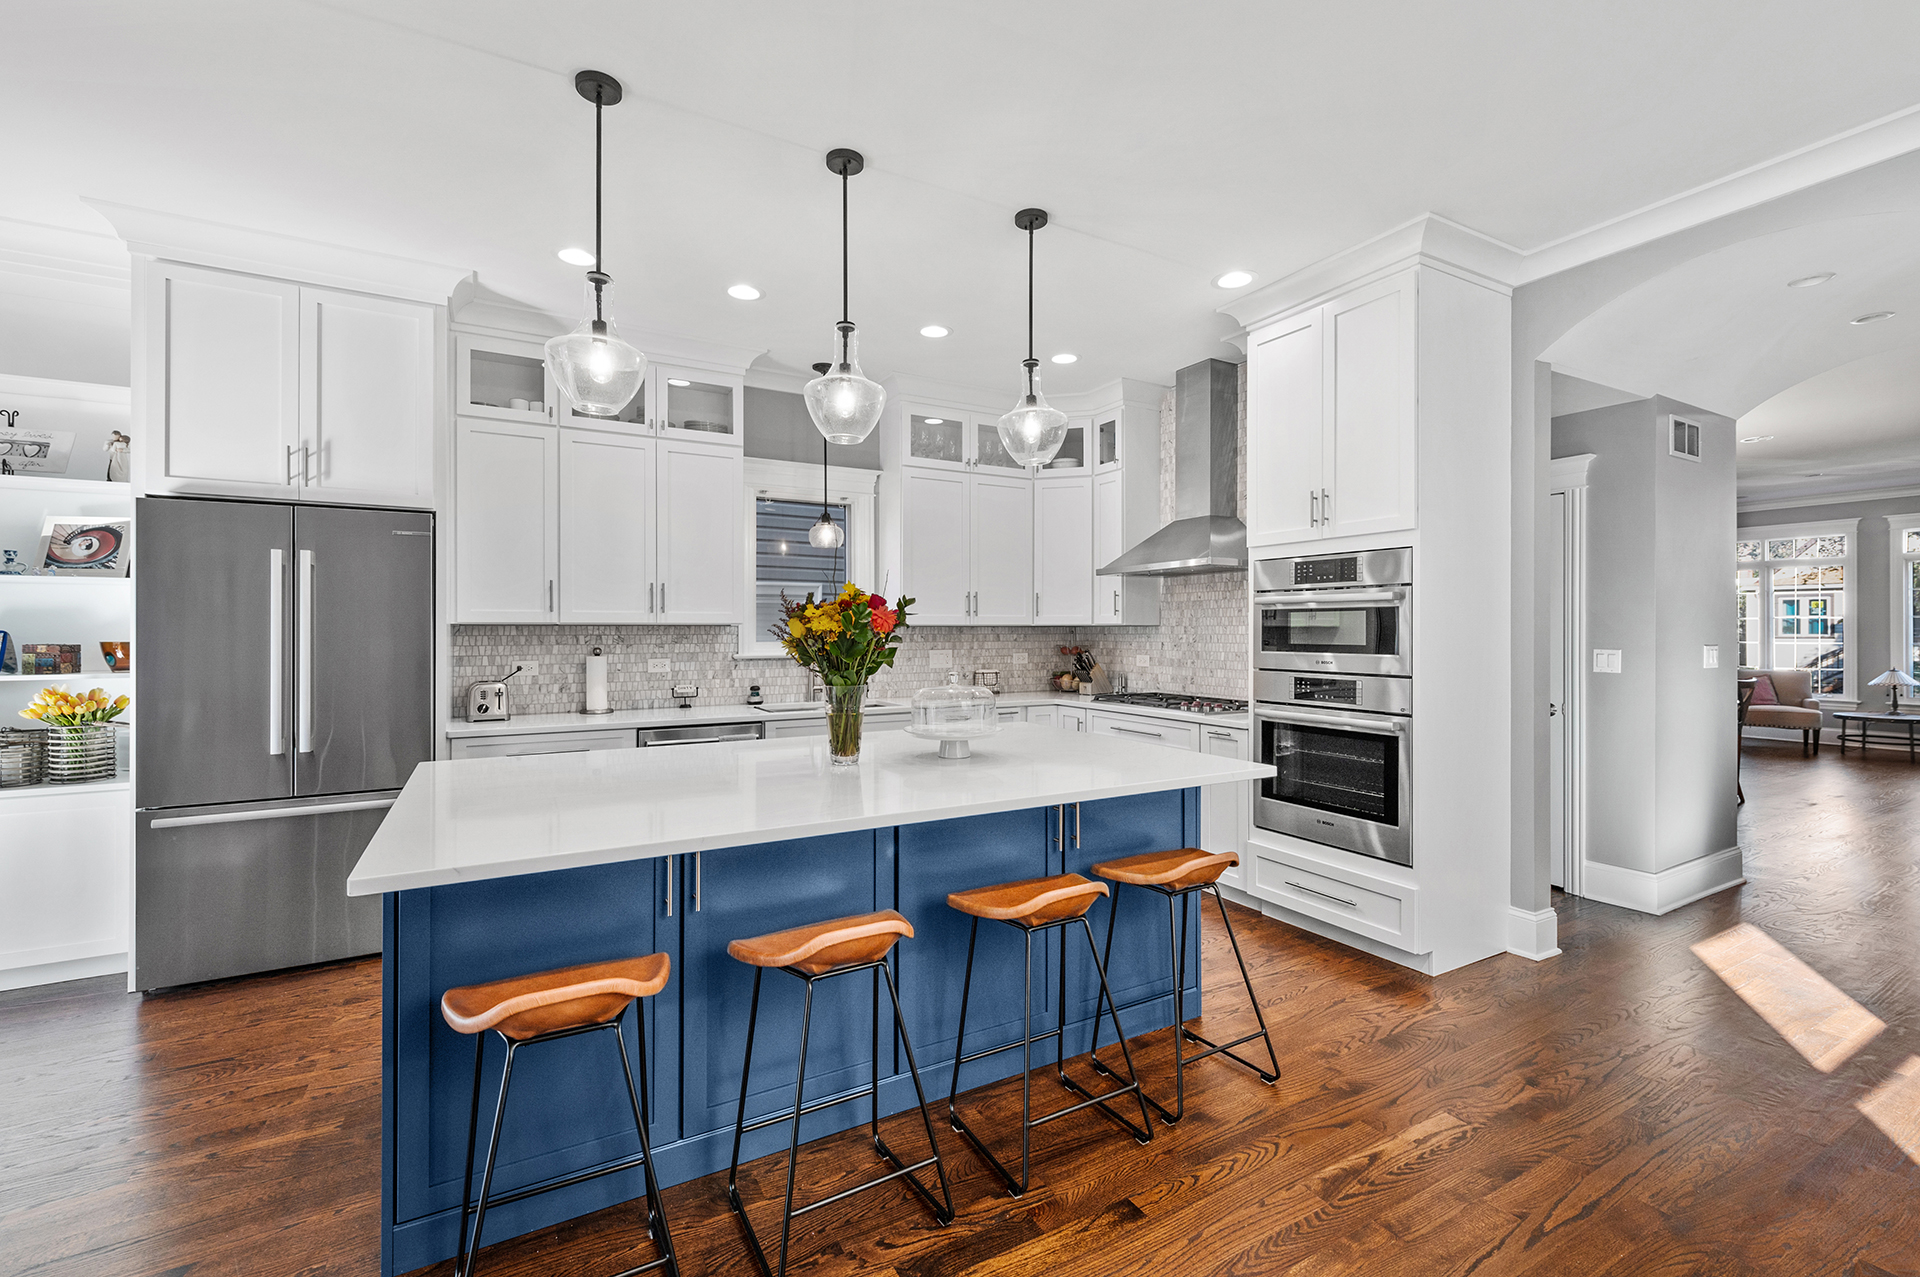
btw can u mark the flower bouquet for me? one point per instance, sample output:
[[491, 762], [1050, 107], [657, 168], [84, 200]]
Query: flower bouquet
[[844, 640], [82, 746]]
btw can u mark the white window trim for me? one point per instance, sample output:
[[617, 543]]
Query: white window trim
[[1898, 606], [1849, 528], [798, 481]]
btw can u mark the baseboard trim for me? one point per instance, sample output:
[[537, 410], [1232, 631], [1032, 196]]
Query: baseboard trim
[[59, 972], [1533, 934], [1663, 892]]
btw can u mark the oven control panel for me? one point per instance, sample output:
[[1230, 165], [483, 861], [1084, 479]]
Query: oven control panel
[[1344, 570], [1365, 693], [1326, 691]]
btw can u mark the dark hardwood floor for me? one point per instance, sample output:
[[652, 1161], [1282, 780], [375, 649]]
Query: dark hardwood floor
[[1616, 1110]]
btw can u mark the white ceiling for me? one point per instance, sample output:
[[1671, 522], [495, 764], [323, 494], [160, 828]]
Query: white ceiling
[[1170, 143], [1853, 427]]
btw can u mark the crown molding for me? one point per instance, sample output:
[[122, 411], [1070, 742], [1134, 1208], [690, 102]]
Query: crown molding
[[494, 316], [198, 242], [15, 385], [64, 255], [1570, 472], [780, 379], [1841, 496]]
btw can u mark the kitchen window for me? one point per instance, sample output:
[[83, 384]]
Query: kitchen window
[[1905, 596], [1794, 589], [783, 503]]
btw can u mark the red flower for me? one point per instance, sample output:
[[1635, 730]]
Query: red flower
[[884, 617]]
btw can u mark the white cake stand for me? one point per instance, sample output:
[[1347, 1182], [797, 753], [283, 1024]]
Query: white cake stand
[[954, 738]]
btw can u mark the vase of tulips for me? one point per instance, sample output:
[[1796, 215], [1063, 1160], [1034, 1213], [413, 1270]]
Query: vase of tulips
[[845, 640], [80, 735]]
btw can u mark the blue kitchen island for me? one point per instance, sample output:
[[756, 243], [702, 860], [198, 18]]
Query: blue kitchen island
[[499, 866]]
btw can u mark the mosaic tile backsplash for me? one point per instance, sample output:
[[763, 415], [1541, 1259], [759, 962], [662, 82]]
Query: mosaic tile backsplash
[[1200, 646]]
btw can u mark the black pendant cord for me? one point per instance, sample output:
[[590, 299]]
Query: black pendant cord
[[597, 313], [846, 310], [823, 481], [1031, 363]]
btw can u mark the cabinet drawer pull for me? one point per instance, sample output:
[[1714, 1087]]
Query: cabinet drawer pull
[[1135, 731], [1326, 508], [1219, 735], [669, 860], [1351, 904], [696, 882], [1313, 508]]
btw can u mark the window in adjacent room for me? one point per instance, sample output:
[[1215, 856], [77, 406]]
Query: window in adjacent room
[[1794, 592]]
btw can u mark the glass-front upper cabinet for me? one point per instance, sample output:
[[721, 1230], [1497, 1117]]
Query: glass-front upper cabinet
[[1072, 457], [701, 406], [1106, 441], [936, 438], [506, 380], [634, 419], [988, 452]]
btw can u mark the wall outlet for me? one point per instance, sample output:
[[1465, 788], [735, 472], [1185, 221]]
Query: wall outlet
[[1606, 660], [1018, 658], [526, 667], [1710, 657], [940, 658], [659, 665], [1141, 660]]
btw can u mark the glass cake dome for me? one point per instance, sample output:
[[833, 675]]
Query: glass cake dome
[[953, 714]]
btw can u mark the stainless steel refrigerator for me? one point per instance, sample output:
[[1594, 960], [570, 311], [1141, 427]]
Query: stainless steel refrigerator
[[285, 685]]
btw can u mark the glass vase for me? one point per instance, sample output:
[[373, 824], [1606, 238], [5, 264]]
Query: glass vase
[[845, 708]]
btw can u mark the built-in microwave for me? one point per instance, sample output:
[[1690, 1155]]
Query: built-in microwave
[[1339, 613]]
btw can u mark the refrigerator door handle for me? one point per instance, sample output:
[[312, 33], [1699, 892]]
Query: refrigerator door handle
[[303, 637], [276, 651], [268, 813]]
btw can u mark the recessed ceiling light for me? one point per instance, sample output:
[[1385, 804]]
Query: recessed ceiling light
[[1234, 279], [933, 330], [1810, 281], [576, 257], [1816, 474], [678, 381], [935, 421], [1872, 317], [1756, 438], [744, 292], [1064, 358]]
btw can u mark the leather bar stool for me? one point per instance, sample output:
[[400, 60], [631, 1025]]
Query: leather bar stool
[[1176, 875], [547, 1007], [1032, 906], [821, 951]]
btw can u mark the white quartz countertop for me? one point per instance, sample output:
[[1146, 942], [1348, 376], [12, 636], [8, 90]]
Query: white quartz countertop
[[479, 818], [668, 716]]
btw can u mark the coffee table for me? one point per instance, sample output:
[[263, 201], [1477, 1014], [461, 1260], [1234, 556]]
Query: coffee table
[[1867, 724]]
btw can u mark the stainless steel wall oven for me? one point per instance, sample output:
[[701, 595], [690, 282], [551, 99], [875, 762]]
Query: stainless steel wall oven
[[1343, 613]]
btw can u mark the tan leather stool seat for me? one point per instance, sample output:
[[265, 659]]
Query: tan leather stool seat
[[819, 947], [1031, 900], [1179, 868], [526, 1006]]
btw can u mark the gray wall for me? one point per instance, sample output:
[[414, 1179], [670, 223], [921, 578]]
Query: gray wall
[[1660, 736], [778, 428], [1872, 621]]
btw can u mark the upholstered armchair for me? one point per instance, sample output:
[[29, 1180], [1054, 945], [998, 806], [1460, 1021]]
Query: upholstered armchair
[[1794, 709]]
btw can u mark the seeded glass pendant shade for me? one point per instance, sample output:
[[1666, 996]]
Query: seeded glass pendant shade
[[844, 405], [1033, 432], [597, 372], [825, 534]]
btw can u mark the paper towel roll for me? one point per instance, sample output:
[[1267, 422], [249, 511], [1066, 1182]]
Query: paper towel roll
[[597, 682]]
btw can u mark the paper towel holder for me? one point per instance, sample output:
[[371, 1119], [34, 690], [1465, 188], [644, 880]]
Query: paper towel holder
[[599, 653]]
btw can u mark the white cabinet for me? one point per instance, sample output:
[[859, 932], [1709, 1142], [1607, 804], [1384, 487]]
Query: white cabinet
[[63, 883], [936, 567], [1144, 729], [504, 379], [1333, 412], [264, 388], [700, 533], [702, 407], [1226, 811], [506, 542], [542, 743], [1045, 715], [1001, 539], [1063, 551], [1126, 508], [1072, 718], [607, 517]]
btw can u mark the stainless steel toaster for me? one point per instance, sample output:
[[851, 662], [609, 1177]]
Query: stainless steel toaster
[[487, 699]]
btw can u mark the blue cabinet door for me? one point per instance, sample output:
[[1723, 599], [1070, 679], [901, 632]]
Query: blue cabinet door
[[568, 1108], [750, 891]]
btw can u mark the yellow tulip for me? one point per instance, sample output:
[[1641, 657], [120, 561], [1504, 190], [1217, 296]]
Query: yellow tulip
[[121, 702]]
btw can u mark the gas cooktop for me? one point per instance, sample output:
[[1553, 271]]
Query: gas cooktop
[[1175, 700]]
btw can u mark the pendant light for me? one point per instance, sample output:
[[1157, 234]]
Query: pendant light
[[825, 534], [597, 371], [844, 405], [1032, 433]]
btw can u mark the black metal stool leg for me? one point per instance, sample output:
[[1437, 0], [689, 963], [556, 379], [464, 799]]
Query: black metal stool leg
[[1144, 1133], [960, 1037], [642, 1114], [943, 1214], [793, 1144], [740, 1118], [473, 1132], [1106, 960], [1259, 1016], [493, 1148]]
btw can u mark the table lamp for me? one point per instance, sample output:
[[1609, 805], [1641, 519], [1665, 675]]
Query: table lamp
[[1893, 681]]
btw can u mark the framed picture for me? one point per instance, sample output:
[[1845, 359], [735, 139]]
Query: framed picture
[[85, 545], [33, 451]]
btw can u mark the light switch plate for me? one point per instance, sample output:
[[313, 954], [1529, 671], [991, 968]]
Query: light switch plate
[[1606, 660], [940, 658], [659, 665], [1710, 657]]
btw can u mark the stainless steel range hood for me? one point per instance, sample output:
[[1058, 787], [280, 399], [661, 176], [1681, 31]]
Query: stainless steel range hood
[[1206, 534]]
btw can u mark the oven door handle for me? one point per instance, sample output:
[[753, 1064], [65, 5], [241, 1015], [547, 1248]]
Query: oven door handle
[[1383, 726], [1326, 598]]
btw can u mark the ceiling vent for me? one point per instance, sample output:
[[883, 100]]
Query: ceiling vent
[[1683, 438]]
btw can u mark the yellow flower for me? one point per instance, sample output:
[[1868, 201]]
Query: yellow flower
[[122, 701], [826, 622], [796, 627], [31, 711], [852, 592]]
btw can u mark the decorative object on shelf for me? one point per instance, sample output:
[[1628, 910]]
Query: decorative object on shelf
[[9, 655], [1893, 681], [119, 656], [32, 451], [119, 451], [23, 757], [10, 564], [844, 405], [84, 545], [1033, 432], [846, 641], [595, 369], [49, 658], [80, 743], [954, 715]]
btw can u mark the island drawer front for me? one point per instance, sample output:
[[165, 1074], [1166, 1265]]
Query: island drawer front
[[1369, 906], [543, 743], [1148, 731]]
